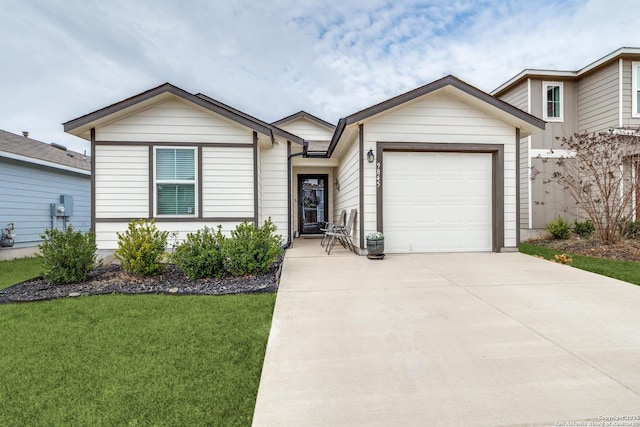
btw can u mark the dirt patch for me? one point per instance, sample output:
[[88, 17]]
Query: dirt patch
[[113, 279], [628, 250]]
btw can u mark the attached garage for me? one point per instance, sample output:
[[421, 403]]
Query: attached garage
[[437, 201], [435, 169]]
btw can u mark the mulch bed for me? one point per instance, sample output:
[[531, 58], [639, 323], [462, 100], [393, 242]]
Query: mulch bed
[[628, 250], [112, 279]]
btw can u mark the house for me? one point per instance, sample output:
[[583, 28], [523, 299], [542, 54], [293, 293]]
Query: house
[[34, 176], [601, 96], [435, 168]]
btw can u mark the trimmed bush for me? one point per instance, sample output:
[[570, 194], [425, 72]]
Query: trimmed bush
[[201, 255], [141, 249], [631, 230], [559, 228], [252, 249], [67, 256], [583, 228]]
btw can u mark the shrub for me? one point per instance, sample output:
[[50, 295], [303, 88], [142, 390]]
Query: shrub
[[631, 229], [583, 228], [201, 254], [141, 249], [252, 249], [67, 256], [559, 228]]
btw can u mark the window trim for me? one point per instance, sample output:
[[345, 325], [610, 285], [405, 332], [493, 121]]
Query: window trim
[[545, 117], [634, 89], [194, 181]]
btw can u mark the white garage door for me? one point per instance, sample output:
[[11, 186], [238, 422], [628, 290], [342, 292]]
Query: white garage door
[[437, 202]]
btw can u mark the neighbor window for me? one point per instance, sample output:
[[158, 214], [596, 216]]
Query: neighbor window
[[635, 84], [552, 101], [175, 181]]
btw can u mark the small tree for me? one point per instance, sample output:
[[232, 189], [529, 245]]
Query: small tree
[[600, 179]]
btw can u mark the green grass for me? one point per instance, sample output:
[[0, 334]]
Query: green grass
[[629, 271], [19, 270], [133, 360]]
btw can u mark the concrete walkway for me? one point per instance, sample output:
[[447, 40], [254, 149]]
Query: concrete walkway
[[478, 339]]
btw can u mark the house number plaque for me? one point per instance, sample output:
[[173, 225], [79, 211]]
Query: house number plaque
[[378, 175]]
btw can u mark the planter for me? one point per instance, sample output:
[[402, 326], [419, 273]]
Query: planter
[[375, 247]]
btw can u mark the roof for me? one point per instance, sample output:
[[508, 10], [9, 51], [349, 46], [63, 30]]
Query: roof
[[623, 52], [30, 150], [81, 125], [303, 114], [276, 130], [470, 93]]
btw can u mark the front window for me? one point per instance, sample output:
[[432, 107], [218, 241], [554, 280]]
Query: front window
[[175, 181], [552, 101], [635, 83]]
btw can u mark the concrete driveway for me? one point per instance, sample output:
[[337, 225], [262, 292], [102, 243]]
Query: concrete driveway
[[479, 339]]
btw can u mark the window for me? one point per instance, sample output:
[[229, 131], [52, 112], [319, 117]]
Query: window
[[175, 181], [552, 101], [635, 84]]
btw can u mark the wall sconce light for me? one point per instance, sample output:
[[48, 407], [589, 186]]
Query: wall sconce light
[[370, 156], [337, 184]]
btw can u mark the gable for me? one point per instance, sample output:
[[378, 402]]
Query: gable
[[174, 120], [308, 129]]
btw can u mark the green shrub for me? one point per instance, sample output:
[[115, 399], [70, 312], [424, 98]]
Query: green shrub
[[583, 228], [631, 229], [252, 249], [67, 256], [559, 228], [141, 249], [201, 255]]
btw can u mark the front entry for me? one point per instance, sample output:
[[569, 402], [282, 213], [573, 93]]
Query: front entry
[[312, 203]]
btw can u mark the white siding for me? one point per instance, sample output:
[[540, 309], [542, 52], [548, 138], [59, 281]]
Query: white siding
[[175, 121], [107, 238], [348, 197], [227, 181], [274, 186], [308, 129], [598, 99], [438, 118], [122, 181]]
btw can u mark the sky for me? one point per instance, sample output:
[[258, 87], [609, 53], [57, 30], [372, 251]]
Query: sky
[[61, 59]]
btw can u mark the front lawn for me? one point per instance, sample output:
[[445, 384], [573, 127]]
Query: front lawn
[[629, 271], [133, 360], [19, 270]]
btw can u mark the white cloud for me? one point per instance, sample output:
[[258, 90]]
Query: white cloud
[[272, 58]]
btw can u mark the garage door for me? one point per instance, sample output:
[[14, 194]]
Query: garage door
[[437, 202]]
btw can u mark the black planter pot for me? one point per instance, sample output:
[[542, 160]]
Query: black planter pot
[[375, 247]]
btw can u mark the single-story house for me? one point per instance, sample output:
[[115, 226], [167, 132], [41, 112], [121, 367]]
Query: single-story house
[[37, 180], [435, 169]]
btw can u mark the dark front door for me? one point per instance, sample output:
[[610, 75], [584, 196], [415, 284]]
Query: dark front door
[[312, 202]]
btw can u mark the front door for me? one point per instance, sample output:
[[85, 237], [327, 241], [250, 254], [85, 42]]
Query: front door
[[312, 202]]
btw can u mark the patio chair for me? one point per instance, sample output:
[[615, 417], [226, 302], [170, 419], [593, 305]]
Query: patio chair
[[331, 226], [342, 234]]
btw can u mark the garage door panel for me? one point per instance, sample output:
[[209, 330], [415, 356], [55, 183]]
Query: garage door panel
[[437, 202]]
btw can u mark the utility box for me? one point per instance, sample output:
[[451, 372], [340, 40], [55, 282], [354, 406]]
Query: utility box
[[66, 201]]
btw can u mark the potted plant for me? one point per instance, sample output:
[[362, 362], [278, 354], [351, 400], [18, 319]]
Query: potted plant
[[375, 244]]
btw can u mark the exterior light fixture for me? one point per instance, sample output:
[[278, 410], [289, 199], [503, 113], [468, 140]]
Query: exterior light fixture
[[370, 156]]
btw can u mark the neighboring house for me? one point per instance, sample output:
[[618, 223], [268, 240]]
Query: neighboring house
[[435, 169], [33, 176], [601, 96]]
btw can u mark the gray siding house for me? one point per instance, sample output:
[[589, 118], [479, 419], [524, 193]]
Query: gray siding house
[[33, 176], [603, 95]]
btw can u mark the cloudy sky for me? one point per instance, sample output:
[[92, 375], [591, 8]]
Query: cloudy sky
[[61, 59]]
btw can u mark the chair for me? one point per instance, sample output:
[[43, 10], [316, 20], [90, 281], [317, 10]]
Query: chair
[[342, 234], [331, 226]]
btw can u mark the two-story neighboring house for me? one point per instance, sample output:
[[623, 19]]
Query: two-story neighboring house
[[603, 95]]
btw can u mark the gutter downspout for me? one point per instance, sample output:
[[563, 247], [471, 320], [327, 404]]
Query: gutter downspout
[[303, 153]]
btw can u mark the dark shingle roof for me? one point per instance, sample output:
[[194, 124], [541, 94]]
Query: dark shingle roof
[[37, 150]]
